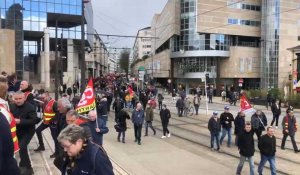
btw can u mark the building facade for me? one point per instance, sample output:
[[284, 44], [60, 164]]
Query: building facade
[[36, 21], [142, 46], [233, 41]]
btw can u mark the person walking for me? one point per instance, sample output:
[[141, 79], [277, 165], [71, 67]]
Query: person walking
[[276, 110], [214, 128], [149, 119], [117, 106], [210, 94], [226, 119], [196, 103], [121, 122], [102, 109], [82, 156], [258, 123], [267, 147], [187, 106], [49, 111], [160, 99], [137, 118], [223, 94], [289, 128], [165, 115], [180, 106], [173, 95], [8, 141], [26, 118], [239, 126], [246, 149]]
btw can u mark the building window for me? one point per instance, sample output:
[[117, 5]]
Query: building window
[[244, 22], [234, 4]]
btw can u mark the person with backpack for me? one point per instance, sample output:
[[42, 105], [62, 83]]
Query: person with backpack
[[83, 156], [258, 123]]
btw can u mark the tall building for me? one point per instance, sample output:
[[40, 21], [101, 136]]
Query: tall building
[[34, 23], [238, 43], [142, 46]]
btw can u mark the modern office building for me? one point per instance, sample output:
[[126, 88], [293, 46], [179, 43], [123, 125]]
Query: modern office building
[[34, 23], [231, 40], [142, 46]]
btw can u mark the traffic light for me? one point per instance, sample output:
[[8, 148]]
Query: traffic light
[[207, 77]]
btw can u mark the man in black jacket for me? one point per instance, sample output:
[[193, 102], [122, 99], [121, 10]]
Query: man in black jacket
[[246, 148], [26, 118], [214, 128], [165, 115], [226, 119], [276, 110], [267, 147]]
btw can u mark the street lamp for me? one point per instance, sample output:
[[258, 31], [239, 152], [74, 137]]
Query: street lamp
[[83, 66]]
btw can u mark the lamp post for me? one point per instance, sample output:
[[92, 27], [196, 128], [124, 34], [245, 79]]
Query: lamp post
[[83, 66]]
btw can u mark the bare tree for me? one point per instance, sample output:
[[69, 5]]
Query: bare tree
[[124, 61]]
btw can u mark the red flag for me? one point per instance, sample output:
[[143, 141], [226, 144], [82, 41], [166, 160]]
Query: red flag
[[245, 105], [87, 101]]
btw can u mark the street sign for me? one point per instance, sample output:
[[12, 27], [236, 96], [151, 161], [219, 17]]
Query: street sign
[[240, 84], [241, 80], [141, 75]]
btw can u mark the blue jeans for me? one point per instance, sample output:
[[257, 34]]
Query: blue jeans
[[224, 132], [263, 161], [241, 164], [214, 136]]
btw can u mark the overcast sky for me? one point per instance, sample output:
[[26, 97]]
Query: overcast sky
[[124, 17]]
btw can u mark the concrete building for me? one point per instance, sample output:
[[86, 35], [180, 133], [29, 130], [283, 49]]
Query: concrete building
[[233, 41], [7, 51], [34, 24], [142, 46]]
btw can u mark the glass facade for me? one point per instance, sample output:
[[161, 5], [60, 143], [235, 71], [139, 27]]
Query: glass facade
[[190, 39], [196, 64], [240, 5], [270, 43], [29, 17]]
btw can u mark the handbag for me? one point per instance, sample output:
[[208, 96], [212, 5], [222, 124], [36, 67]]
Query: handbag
[[117, 127]]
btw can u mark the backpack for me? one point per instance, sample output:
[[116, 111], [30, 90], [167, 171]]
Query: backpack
[[99, 147]]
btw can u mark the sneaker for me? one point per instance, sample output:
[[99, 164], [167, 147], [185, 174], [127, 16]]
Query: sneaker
[[40, 148], [163, 137], [123, 141], [169, 135], [135, 140], [276, 127], [139, 143]]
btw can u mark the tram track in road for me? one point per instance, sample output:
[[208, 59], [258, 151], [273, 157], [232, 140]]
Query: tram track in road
[[203, 140]]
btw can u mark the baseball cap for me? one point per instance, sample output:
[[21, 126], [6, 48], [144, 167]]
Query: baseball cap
[[226, 107], [215, 113]]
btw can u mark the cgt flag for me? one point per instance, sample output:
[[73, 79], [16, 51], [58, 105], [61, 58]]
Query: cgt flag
[[87, 101], [246, 106]]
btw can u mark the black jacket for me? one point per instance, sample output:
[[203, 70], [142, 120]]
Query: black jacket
[[214, 126], [275, 110], [267, 145], [93, 160], [246, 144], [226, 120], [165, 114], [8, 165], [239, 125], [27, 115], [121, 119]]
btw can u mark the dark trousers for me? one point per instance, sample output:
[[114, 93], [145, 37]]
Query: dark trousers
[[38, 132], [292, 136], [123, 135], [180, 111], [210, 99], [275, 117], [138, 132], [54, 134], [196, 109], [165, 126], [213, 137], [160, 105], [24, 139], [258, 133], [149, 124]]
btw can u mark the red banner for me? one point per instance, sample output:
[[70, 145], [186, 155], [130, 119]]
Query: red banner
[[87, 101], [245, 105]]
